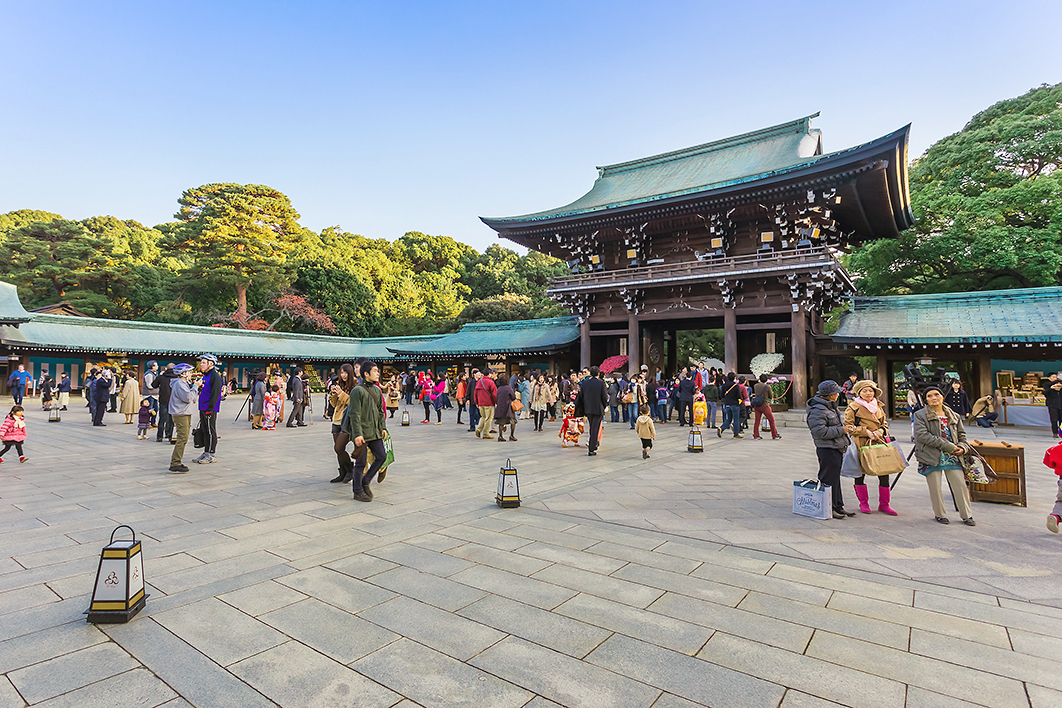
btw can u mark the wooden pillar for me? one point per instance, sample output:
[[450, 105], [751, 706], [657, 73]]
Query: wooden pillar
[[634, 343], [730, 339], [984, 375], [584, 344], [884, 383], [800, 363]]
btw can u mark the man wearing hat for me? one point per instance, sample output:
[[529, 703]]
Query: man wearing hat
[[831, 440], [181, 404], [209, 405]]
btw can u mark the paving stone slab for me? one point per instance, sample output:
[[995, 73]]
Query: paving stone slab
[[138, 688], [818, 678], [71, 671], [738, 622], [594, 583], [719, 593], [220, 631], [796, 699], [684, 675], [47, 644], [496, 558], [950, 625], [443, 631], [1015, 618], [764, 583], [553, 538], [337, 589], [549, 629], [856, 586], [361, 566], [562, 679], [435, 680], [872, 630], [295, 676], [515, 587], [1045, 672], [331, 631], [1040, 697], [440, 592], [9, 697], [422, 559], [263, 597], [924, 672], [655, 628]]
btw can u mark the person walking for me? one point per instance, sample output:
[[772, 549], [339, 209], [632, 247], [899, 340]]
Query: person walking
[[1053, 461], [639, 397], [143, 423], [462, 395], [151, 388], [339, 398], [591, 402], [13, 432], [98, 392], [761, 404], [1053, 401], [366, 424], [940, 445], [298, 402], [831, 440], [539, 402], [956, 399], [47, 389], [165, 384], [440, 398], [486, 398], [646, 431], [711, 396], [685, 399], [181, 405], [614, 399], [209, 405], [554, 396], [470, 395], [503, 409], [129, 398], [865, 415], [116, 381], [730, 394], [17, 383], [394, 395], [64, 391]]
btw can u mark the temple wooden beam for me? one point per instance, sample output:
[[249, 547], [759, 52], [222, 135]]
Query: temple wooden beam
[[634, 343], [730, 357], [800, 362], [584, 344]]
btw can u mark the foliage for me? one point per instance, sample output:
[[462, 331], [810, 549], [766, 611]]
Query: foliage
[[988, 207], [697, 344]]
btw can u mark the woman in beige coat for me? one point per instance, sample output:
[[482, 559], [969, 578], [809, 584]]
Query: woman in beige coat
[[866, 422], [129, 397]]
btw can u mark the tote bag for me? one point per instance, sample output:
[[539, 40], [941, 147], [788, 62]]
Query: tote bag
[[812, 498], [878, 460]]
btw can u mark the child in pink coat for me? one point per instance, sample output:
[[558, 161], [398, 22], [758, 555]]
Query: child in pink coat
[[13, 432]]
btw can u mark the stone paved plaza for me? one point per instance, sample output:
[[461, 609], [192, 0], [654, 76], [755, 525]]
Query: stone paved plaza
[[679, 581]]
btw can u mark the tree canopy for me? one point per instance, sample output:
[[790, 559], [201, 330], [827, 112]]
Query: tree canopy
[[236, 256], [988, 207]]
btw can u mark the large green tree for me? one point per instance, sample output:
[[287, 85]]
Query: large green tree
[[988, 207], [59, 260], [238, 236]]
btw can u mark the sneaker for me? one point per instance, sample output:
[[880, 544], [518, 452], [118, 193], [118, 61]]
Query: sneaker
[[1052, 522], [178, 468], [488, 436], [362, 497], [719, 432], [23, 458], [738, 436], [206, 459]]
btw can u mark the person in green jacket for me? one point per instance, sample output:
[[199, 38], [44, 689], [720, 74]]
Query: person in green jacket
[[367, 425]]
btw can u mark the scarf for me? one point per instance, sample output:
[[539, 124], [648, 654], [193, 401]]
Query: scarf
[[871, 405]]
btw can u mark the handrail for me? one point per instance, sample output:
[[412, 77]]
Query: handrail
[[696, 268]]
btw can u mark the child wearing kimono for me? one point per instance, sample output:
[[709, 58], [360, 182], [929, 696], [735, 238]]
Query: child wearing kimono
[[571, 427], [271, 408], [700, 410]]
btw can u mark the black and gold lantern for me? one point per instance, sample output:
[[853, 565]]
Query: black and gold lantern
[[53, 413], [119, 592], [508, 487], [695, 442], [405, 417]]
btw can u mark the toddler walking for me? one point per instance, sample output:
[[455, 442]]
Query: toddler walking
[[13, 432], [143, 421], [646, 430], [1053, 459]]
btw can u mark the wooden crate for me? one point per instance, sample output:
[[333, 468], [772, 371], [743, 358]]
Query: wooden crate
[[1008, 461]]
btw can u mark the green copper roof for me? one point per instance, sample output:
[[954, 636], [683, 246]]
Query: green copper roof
[[523, 337], [696, 169], [1027, 315], [88, 334]]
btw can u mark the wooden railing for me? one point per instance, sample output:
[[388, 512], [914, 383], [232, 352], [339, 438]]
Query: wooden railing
[[722, 267]]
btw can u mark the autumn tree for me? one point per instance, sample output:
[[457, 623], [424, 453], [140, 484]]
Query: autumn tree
[[238, 236]]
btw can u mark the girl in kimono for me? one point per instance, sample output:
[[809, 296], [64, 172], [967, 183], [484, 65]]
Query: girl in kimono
[[700, 410], [271, 408], [571, 427]]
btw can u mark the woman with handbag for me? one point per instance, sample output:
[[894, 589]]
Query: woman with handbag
[[539, 402], [940, 444], [504, 410], [866, 422]]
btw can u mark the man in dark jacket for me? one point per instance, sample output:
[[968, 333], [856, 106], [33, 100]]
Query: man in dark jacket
[[165, 384], [209, 405], [367, 426], [685, 399], [101, 394], [592, 400], [831, 440], [473, 409], [1053, 401], [298, 401]]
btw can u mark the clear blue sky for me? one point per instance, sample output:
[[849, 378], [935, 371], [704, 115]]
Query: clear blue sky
[[389, 117]]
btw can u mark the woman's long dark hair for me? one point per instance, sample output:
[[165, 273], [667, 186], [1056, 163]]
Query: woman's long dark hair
[[503, 380], [351, 378]]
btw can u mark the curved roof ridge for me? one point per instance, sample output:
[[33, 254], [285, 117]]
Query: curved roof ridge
[[975, 296], [518, 324], [798, 126]]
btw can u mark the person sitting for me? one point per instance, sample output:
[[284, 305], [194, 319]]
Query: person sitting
[[984, 411]]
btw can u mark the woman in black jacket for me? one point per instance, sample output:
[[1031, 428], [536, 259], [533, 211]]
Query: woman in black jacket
[[503, 410], [957, 400]]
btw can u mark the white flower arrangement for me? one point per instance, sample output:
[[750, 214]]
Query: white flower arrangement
[[766, 363]]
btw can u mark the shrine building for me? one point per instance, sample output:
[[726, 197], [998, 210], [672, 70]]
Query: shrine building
[[741, 234]]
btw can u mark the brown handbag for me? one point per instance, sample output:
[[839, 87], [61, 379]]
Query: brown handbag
[[881, 459], [517, 406]]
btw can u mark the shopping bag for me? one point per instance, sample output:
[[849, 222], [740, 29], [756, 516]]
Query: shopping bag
[[198, 438], [904, 459], [878, 460], [975, 471], [850, 465], [811, 498], [390, 448]]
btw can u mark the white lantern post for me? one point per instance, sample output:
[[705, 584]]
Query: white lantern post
[[53, 413], [405, 417], [508, 487], [119, 592], [695, 442]]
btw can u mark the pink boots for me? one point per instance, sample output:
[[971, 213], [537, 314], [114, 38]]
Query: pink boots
[[863, 497], [884, 494]]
